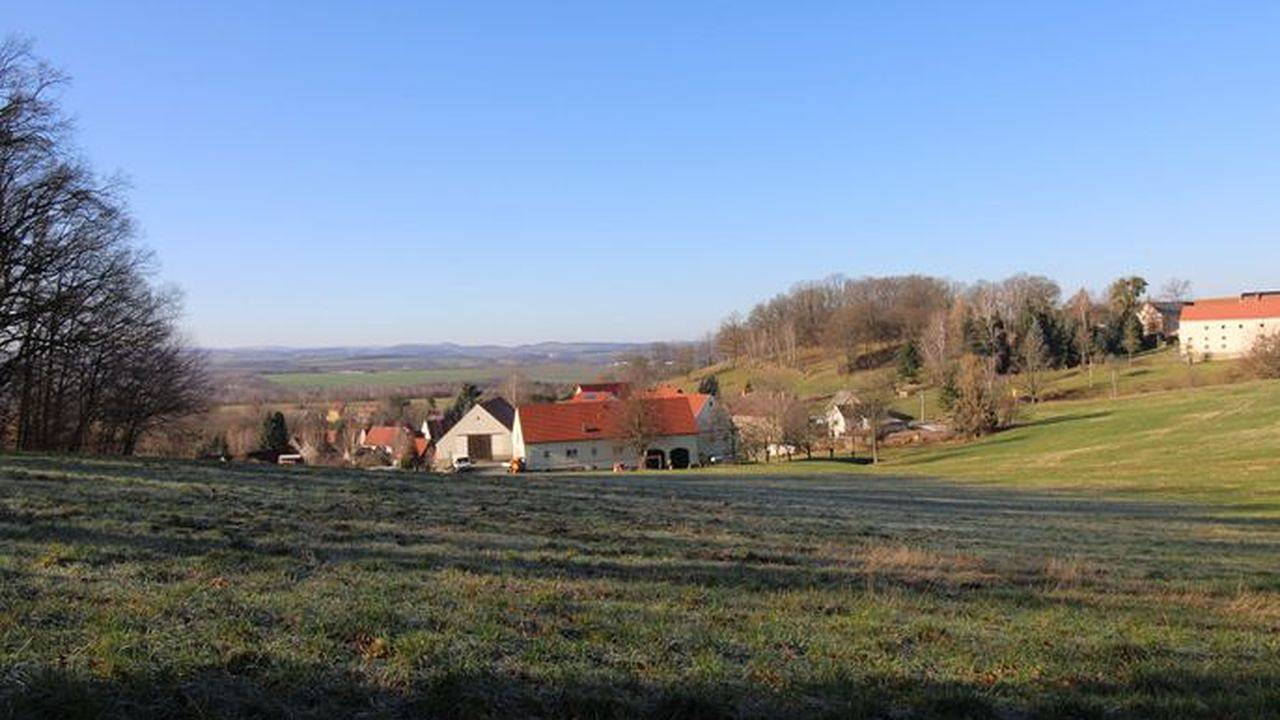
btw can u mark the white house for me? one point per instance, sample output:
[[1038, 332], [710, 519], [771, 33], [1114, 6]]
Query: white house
[[593, 435], [483, 434], [1227, 327]]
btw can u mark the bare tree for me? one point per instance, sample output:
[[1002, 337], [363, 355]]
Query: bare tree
[[1176, 290], [872, 409], [90, 358], [1033, 360]]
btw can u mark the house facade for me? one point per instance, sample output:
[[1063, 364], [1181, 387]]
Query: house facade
[[1227, 327], [717, 436], [1160, 318], [595, 435], [483, 434]]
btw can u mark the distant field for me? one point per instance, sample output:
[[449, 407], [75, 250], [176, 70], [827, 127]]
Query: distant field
[[558, 373], [1106, 560]]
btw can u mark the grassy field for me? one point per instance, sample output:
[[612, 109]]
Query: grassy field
[[551, 372], [1215, 445], [1107, 559]]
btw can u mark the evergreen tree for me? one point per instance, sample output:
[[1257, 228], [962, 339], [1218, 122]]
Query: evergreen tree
[[949, 391], [909, 362], [710, 385], [1132, 339], [275, 434], [467, 397]]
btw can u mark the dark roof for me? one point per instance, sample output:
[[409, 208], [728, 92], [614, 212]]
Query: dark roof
[[1167, 307], [501, 411]]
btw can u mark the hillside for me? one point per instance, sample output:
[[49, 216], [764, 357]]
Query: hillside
[[1217, 445], [149, 589], [818, 375]]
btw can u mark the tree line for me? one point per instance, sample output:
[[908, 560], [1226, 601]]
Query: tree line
[[91, 358], [965, 339]]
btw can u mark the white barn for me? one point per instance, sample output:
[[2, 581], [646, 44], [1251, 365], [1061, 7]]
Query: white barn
[[483, 434]]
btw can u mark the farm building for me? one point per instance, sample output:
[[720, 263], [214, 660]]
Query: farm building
[[482, 434], [595, 434], [1228, 327], [716, 434]]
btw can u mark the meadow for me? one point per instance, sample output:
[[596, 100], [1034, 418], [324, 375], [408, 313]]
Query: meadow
[[1108, 560]]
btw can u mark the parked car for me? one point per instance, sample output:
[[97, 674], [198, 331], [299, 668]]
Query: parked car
[[463, 464]]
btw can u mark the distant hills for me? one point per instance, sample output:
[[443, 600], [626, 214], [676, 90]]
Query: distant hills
[[412, 356]]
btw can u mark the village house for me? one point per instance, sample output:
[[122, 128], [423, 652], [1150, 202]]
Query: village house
[[483, 435], [1160, 318], [594, 434], [393, 441], [1228, 327], [843, 418]]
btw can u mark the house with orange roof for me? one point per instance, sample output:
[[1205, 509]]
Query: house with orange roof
[[594, 435], [717, 437], [1228, 327], [394, 440]]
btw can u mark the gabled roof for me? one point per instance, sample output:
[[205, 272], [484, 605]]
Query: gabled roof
[[1248, 306], [697, 401], [575, 421], [501, 410]]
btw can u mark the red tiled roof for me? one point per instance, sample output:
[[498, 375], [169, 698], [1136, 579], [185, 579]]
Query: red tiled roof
[[697, 401], [420, 445], [1248, 306], [567, 422], [382, 435]]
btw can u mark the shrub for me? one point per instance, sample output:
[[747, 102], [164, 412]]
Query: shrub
[[1263, 359]]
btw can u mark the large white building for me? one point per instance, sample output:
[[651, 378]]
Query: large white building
[[594, 434], [1227, 327]]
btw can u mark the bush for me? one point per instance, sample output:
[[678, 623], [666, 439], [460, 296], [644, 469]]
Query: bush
[[1263, 359]]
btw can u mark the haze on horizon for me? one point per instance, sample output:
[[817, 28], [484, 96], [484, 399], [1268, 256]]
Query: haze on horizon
[[510, 173]]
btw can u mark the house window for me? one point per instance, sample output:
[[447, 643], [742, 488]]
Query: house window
[[571, 452], [593, 452], [546, 454]]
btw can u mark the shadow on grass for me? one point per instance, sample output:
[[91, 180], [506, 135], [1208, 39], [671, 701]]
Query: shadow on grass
[[260, 686], [1061, 419]]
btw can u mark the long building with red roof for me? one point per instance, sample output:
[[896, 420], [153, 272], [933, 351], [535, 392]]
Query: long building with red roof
[[600, 434], [1228, 327]]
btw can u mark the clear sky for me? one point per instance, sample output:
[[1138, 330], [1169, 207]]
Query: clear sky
[[370, 173]]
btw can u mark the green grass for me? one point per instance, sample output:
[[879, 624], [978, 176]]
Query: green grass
[[1216, 445], [1107, 559], [819, 376], [550, 372]]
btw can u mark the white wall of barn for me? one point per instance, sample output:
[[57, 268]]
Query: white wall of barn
[[477, 421]]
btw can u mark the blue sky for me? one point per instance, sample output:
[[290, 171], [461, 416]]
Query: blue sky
[[370, 173]]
